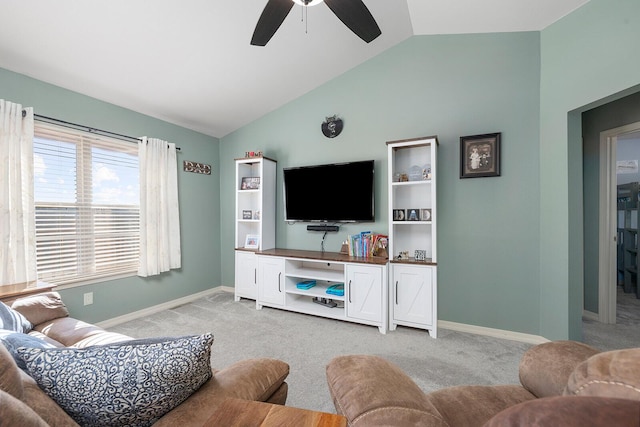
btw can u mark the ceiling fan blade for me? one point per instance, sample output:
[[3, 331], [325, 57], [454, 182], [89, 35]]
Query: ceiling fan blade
[[272, 17], [355, 15]]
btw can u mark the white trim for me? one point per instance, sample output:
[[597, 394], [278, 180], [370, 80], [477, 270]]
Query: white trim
[[607, 268], [160, 307], [491, 332], [590, 315]]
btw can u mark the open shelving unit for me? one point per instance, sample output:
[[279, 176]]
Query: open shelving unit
[[255, 215], [412, 233], [365, 285]]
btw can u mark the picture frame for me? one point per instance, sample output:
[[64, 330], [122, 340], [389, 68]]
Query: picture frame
[[480, 155], [250, 183], [420, 255], [252, 241], [413, 214], [247, 214], [425, 214], [399, 215]]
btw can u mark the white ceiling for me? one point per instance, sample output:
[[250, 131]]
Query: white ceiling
[[190, 62]]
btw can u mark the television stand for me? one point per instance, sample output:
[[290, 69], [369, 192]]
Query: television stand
[[365, 298]]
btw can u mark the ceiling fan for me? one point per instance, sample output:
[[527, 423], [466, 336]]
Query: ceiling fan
[[353, 13]]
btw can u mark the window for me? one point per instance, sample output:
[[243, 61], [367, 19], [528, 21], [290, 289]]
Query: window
[[87, 205]]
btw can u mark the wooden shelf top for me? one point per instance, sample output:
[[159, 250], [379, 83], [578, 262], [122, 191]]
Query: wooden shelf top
[[17, 290], [322, 256]]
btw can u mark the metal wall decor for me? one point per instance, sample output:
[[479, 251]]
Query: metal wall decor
[[196, 167], [332, 126]]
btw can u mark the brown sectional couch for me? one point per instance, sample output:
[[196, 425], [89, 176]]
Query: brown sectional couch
[[23, 403], [563, 383]]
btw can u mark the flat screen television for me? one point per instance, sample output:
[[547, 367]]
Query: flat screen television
[[337, 192]]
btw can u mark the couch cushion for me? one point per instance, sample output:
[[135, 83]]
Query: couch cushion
[[13, 320], [132, 383], [41, 307], [570, 411], [249, 379], [545, 368], [9, 374], [12, 340], [13, 412], [609, 374], [73, 332]]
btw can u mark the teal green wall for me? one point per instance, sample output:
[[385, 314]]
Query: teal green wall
[[449, 86], [510, 247], [199, 199], [587, 57], [609, 116]]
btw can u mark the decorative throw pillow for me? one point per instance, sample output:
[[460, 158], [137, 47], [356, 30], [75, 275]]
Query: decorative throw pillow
[[13, 320], [12, 340], [122, 384]]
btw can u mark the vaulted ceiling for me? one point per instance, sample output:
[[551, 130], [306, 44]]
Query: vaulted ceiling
[[190, 62]]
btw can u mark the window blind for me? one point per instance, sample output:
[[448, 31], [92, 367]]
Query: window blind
[[87, 205]]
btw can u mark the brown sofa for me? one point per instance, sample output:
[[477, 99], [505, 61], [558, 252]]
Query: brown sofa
[[23, 403], [562, 383]]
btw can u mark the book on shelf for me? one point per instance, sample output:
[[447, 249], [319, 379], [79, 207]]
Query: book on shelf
[[367, 244]]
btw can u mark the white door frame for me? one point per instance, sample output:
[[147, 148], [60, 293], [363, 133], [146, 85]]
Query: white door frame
[[607, 260]]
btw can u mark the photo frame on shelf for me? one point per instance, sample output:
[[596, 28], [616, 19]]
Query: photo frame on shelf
[[247, 214], [250, 183], [480, 155], [420, 255], [425, 214], [398, 215], [413, 214], [252, 241]]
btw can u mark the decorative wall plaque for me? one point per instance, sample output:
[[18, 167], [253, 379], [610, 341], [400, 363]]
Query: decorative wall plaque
[[332, 127], [196, 167]]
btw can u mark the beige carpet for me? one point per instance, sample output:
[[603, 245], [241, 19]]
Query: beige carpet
[[308, 343]]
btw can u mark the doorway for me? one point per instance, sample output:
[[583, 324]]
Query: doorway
[[619, 202]]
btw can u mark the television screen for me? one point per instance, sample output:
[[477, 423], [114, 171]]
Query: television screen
[[340, 192]]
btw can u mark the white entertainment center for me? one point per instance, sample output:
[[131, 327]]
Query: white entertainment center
[[272, 276]]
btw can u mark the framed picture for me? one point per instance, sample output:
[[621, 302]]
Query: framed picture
[[425, 214], [247, 214], [398, 215], [252, 241], [413, 214], [250, 183], [420, 255], [480, 155]]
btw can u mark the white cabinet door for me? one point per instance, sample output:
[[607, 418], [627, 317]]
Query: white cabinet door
[[270, 281], [412, 294], [246, 275], [364, 292]]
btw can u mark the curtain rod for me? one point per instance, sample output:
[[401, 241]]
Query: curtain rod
[[87, 128]]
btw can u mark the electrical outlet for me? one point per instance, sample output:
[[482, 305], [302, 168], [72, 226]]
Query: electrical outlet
[[88, 298]]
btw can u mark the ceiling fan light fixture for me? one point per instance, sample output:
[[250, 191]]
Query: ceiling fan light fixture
[[308, 2]]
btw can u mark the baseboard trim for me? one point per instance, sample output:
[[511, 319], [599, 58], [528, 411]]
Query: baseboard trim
[[453, 326], [586, 314], [106, 324], [491, 332]]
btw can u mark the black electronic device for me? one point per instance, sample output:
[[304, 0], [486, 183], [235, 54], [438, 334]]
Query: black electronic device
[[337, 192]]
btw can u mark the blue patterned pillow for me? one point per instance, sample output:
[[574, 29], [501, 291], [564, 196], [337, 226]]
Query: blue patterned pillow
[[13, 340], [13, 320], [124, 384]]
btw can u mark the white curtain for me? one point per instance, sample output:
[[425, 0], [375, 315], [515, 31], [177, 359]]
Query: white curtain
[[159, 214], [17, 211]]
